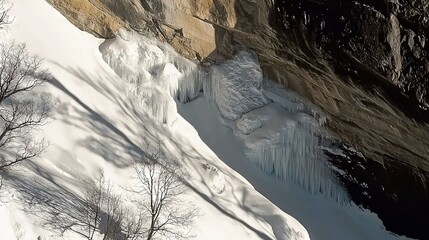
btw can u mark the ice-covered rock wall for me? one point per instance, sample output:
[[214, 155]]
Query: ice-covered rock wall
[[278, 129]]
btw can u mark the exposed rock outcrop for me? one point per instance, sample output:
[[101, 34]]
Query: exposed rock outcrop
[[91, 16], [363, 62]]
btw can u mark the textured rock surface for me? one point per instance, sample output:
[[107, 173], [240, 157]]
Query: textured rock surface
[[363, 62], [91, 16]]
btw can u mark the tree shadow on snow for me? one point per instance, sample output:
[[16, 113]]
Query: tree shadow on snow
[[57, 208], [117, 142], [108, 137], [112, 143]]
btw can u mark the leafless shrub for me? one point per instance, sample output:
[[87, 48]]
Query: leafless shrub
[[160, 185], [115, 214], [93, 204]]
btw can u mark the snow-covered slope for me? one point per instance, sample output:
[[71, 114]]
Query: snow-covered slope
[[98, 125], [106, 114]]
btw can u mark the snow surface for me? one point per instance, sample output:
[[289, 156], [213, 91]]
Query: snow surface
[[107, 115], [322, 217]]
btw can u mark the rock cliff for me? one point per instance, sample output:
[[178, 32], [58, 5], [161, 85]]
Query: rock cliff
[[364, 63]]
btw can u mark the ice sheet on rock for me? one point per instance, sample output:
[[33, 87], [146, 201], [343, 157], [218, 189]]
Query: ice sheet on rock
[[167, 77], [292, 102], [280, 137], [307, 121], [236, 85], [286, 146]]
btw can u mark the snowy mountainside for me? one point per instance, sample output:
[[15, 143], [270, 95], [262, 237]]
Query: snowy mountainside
[[114, 98], [99, 127]]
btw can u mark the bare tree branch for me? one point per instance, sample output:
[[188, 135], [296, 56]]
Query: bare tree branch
[[115, 214], [107, 215], [4, 14], [132, 225], [21, 111], [93, 204], [161, 187]]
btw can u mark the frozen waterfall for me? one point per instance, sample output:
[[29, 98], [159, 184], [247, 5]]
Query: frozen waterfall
[[279, 130]]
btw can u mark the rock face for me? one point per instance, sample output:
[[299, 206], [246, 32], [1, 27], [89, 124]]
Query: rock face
[[91, 16], [370, 60], [387, 37], [363, 62]]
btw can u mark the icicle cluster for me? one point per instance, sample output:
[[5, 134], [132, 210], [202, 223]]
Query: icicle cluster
[[286, 146], [157, 100], [281, 137], [157, 73]]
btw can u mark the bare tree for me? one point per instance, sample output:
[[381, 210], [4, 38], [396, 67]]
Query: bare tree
[[105, 212], [93, 205], [115, 214], [4, 14], [161, 188], [132, 225], [21, 111], [158, 210]]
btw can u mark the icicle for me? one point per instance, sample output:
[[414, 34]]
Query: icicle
[[286, 146], [156, 101]]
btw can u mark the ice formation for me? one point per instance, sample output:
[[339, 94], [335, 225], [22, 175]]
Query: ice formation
[[156, 100], [236, 85], [156, 73], [286, 145], [278, 128]]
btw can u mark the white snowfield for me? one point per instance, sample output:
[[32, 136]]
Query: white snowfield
[[114, 98]]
